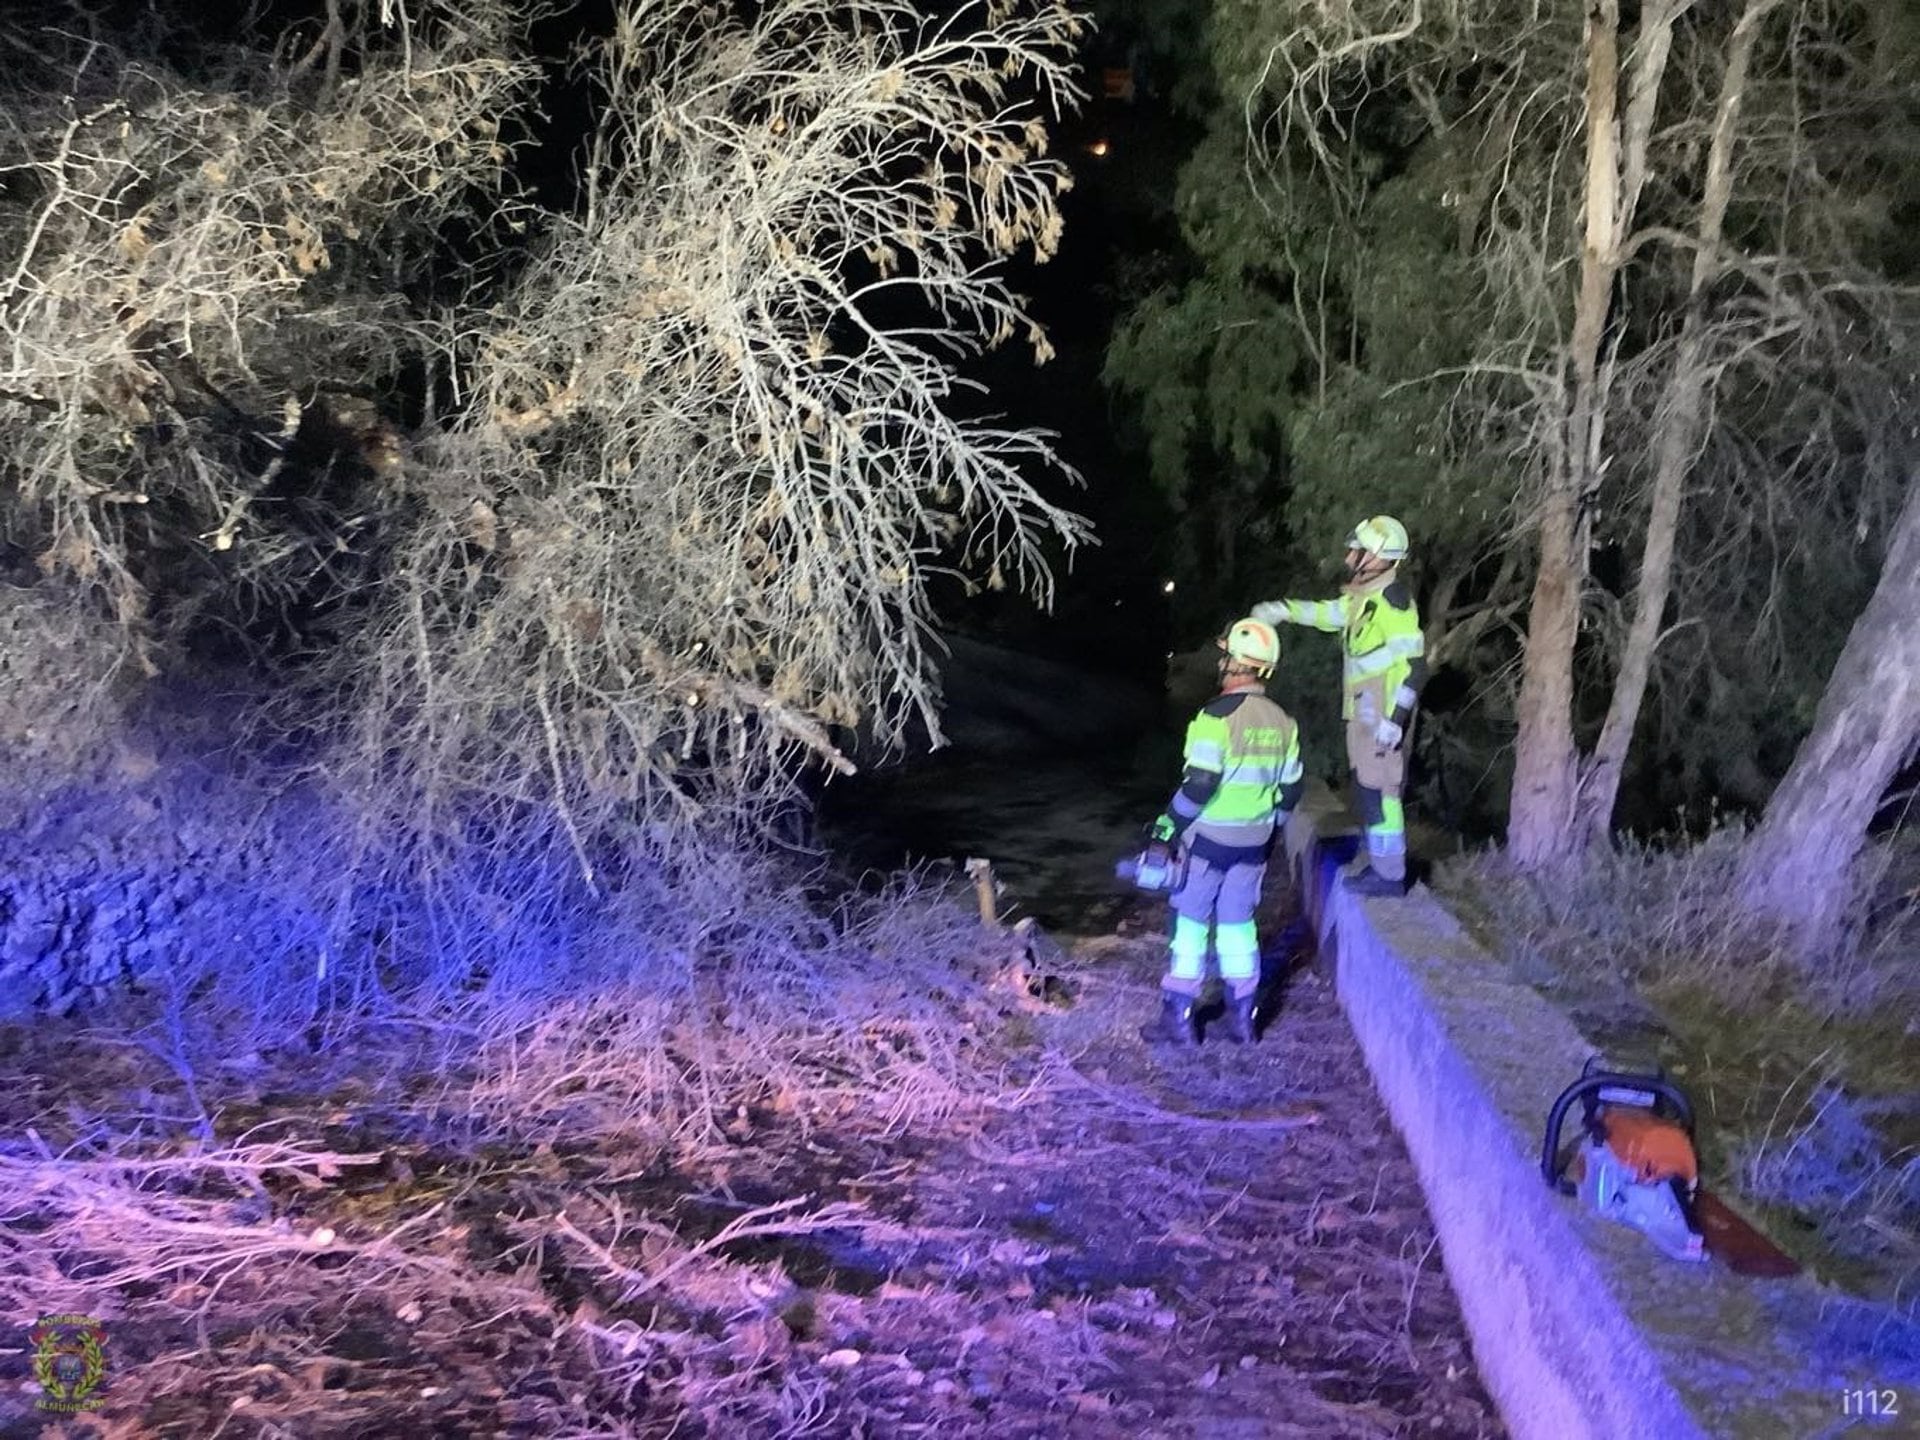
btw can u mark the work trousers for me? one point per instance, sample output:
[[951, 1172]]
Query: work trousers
[[1379, 778], [1224, 898]]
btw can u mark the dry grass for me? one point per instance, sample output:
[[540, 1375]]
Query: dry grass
[[1660, 917], [539, 1195], [736, 1209], [1806, 1070]]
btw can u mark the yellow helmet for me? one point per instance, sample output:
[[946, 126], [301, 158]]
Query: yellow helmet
[[1381, 536], [1253, 643]]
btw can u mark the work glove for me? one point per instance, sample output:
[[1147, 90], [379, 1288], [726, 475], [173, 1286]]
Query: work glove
[[1163, 830], [1388, 734], [1273, 612]]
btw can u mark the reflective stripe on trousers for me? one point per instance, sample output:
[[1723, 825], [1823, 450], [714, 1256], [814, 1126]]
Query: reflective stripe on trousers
[[1227, 897], [1385, 819]]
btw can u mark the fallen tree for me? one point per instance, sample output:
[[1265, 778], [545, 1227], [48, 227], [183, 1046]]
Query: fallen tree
[[687, 440]]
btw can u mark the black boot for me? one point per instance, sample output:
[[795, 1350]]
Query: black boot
[[1240, 1020], [1174, 1025], [1371, 882]]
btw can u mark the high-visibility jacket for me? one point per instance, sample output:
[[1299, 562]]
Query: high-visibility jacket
[[1243, 770], [1384, 652]]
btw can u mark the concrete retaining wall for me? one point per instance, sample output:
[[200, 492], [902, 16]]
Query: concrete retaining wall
[[1580, 1327]]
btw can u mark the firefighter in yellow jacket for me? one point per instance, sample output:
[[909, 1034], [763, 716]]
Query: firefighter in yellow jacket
[[1384, 668], [1242, 777]]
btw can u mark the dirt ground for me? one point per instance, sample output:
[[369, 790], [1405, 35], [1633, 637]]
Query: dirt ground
[[1219, 1243], [1244, 1224]]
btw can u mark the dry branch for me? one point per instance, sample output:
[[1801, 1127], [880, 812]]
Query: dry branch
[[190, 257], [715, 447]]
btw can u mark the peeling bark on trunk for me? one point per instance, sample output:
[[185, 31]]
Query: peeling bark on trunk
[[1546, 760], [1866, 730], [1546, 763], [1678, 428]]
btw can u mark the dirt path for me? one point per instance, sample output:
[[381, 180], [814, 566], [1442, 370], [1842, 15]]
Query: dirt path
[[1242, 1228], [1244, 1273]]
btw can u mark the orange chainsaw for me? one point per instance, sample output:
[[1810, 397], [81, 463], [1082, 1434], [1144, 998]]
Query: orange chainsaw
[[1636, 1163]]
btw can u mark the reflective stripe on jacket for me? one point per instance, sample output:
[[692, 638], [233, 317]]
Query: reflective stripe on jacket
[[1381, 644], [1254, 747]]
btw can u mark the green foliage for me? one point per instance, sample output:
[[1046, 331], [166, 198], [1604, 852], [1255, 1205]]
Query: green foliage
[[1229, 233], [1371, 447], [1385, 197], [1313, 347], [1384, 434], [1212, 385], [1306, 682], [1418, 297], [1212, 363]]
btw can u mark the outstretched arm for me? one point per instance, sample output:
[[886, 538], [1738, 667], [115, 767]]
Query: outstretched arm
[[1319, 614]]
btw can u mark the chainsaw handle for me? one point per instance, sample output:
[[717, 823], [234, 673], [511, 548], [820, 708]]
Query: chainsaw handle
[[1585, 1088]]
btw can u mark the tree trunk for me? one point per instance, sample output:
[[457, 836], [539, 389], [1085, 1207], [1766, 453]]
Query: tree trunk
[[1678, 427], [1546, 766], [1545, 762], [1866, 730]]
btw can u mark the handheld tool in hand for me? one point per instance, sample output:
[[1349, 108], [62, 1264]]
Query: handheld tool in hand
[[1152, 870], [1156, 869]]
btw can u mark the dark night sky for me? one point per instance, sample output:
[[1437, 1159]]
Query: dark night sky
[[1117, 208]]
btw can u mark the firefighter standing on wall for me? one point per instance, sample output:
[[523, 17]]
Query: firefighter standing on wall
[[1384, 670], [1243, 777]]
